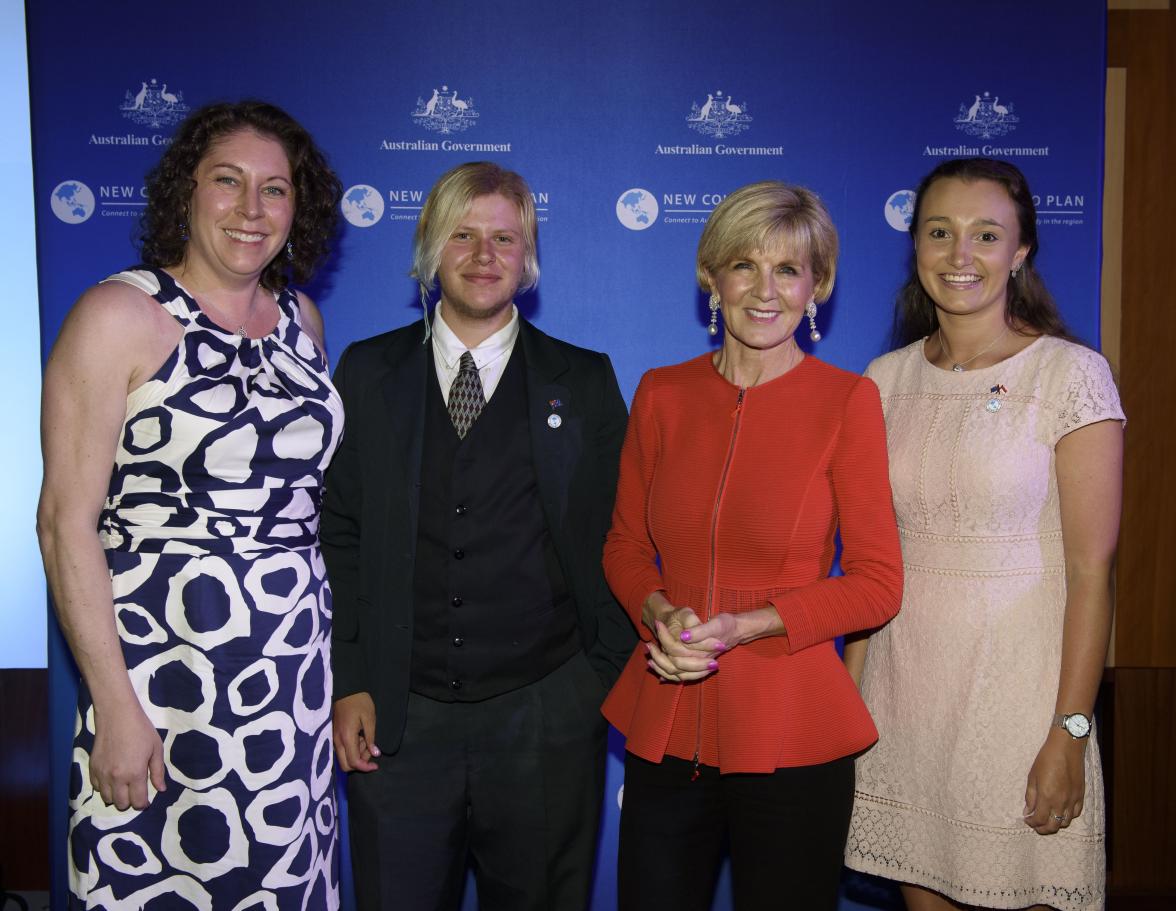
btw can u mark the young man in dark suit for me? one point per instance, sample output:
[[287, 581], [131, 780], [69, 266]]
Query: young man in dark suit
[[463, 522]]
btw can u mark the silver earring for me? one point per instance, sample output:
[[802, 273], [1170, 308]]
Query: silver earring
[[1016, 271], [810, 310], [290, 250], [713, 328], [183, 231]]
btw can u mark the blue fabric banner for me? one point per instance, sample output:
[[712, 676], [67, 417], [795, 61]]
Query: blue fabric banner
[[631, 121]]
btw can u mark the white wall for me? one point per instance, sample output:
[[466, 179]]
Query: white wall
[[22, 585]]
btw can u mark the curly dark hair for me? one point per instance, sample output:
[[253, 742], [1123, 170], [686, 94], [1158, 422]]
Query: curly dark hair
[[170, 183], [1029, 306]]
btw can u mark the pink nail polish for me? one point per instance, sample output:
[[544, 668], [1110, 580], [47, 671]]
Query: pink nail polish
[[685, 635], [720, 647], [713, 665]]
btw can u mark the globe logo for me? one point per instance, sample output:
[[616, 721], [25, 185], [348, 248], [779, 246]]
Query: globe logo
[[900, 209], [72, 202], [362, 205], [637, 209]]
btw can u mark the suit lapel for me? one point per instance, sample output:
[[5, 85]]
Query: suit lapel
[[554, 448], [403, 393]]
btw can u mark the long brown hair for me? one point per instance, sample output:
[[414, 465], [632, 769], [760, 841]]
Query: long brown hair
[[1029, 304]]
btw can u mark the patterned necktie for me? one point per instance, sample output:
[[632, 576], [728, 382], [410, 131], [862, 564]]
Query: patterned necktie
[[466, 400]]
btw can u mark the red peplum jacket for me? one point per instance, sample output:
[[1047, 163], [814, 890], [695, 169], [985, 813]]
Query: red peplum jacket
[[740, 493]]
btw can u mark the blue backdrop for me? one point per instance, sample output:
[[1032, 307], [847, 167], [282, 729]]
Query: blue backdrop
[[631, 120]]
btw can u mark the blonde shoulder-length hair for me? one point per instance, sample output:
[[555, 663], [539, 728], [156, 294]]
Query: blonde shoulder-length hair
[[447, 204], [761, 214]]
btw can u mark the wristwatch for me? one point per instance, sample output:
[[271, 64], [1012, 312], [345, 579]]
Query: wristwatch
[[1076, 725]]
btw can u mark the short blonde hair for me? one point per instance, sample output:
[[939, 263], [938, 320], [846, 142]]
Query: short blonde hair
[[760, 214], [448, 202]]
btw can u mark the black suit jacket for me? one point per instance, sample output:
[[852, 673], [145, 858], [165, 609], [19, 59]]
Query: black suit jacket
[[370, 508]]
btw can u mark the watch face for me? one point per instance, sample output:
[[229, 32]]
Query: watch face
[[1078, 725]]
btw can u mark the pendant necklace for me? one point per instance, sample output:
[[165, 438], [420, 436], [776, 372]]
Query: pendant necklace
[[240, 330], [958, 366]]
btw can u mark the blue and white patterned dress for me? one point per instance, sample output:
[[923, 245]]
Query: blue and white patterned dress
[[224, 613]]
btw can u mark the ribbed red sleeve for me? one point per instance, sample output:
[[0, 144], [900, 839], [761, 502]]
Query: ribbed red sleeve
[[870, 590], [629, 554]]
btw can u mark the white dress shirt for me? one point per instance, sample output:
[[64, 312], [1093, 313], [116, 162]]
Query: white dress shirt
[[490, 356]]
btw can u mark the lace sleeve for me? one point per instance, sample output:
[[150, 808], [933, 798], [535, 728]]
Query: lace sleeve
[[1086, 393]]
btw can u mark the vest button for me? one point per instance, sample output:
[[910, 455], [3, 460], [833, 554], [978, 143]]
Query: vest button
[[459, 554], [455, 684], [456, 602], [461, 509], [458, 642]]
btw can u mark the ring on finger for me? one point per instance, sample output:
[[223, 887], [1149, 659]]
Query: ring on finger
[[1059, 818]]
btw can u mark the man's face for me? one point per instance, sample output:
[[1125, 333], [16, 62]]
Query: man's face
[[482, 261]]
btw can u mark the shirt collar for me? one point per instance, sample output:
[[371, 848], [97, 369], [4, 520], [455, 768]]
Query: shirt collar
[[448, 347]]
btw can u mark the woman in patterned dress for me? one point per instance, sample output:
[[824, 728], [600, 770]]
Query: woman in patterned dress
[[1005, 439], [187, 580]]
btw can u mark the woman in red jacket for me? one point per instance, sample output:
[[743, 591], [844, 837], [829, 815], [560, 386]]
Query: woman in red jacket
[[739, 468]]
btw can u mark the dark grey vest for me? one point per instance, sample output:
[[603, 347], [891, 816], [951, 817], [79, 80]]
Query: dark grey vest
[[491, 606]]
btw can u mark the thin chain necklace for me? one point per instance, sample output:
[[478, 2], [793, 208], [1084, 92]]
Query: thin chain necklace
[[240, 330], [958, 366]]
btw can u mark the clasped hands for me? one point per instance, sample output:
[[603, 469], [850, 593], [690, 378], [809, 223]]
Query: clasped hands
[[684, 648]]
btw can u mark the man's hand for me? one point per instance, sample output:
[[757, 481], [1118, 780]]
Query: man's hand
[[353, 722]]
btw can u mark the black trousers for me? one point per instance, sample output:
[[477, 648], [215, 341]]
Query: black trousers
[[786, 831], [513, 784]]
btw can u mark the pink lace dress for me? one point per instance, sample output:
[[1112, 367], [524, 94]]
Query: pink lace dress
[[962, 683]]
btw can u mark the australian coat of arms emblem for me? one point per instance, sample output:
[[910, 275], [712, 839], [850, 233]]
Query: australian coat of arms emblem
[[154, 106], [444, 112], [986, 117], [718, 116]]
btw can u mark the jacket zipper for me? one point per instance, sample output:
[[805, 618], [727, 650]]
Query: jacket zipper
[[710, 581]]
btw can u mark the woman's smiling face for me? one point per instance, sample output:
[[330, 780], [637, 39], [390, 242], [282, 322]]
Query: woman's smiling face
[[967, 244]]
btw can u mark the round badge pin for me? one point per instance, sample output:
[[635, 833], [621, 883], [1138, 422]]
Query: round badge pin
[[553, 421], [993, 405]]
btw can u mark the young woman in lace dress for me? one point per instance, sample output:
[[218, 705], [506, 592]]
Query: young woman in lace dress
[[1005, 440]]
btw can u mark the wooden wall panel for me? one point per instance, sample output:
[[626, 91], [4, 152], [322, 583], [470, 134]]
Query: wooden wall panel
[[24, 772], [1143, 838], [1111, 296], [1141, 771], [1144, 42]]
